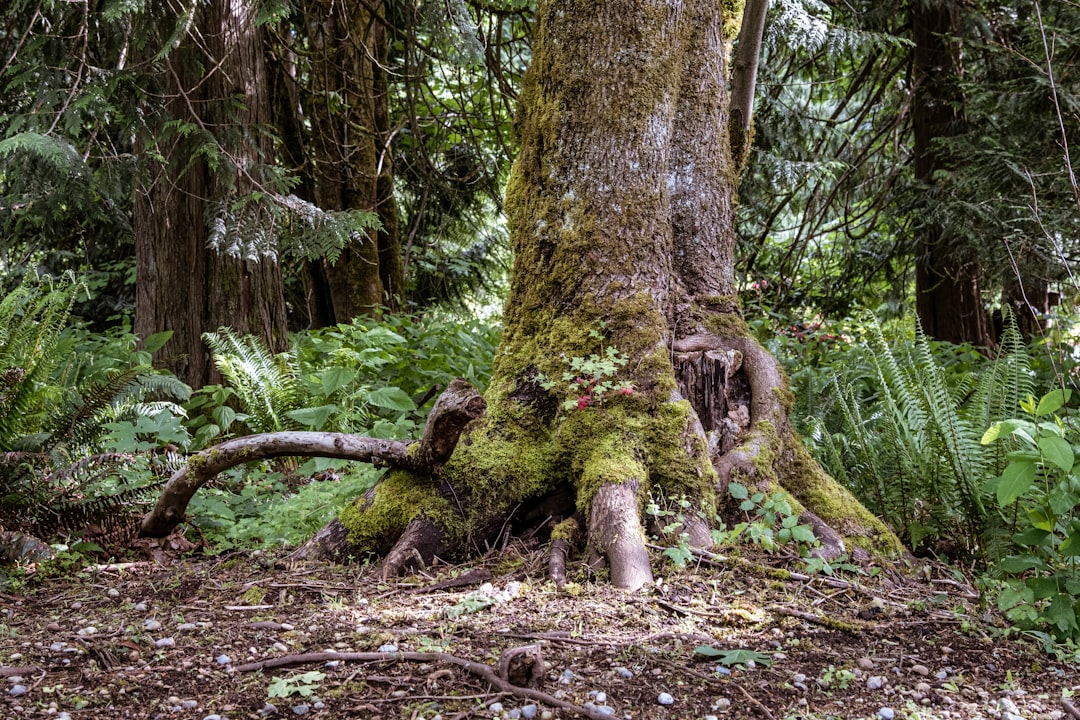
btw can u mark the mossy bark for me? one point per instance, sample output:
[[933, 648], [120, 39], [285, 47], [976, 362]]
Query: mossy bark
[[621, 211]]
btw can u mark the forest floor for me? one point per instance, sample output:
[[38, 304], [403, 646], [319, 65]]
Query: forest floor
[[736, 637]]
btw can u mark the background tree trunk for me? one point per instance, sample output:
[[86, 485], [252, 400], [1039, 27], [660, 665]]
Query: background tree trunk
[[621, 216], [217, 85], [350, 164], [948, 296]]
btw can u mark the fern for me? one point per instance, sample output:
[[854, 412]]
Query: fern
[[265, 384], [911, 450]]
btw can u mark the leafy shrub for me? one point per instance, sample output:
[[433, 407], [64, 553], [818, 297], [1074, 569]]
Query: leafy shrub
[[372, 377], [1038, 494]]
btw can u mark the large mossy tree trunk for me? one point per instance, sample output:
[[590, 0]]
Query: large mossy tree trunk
[[621, 215]]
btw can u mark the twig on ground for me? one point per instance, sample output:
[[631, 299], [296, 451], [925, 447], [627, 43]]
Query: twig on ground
[[480, 670], [825, 622]]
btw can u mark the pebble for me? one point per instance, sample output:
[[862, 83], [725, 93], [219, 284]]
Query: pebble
[[547, 715], [711, 717], [623, 673], [215, 716], [513, 714], [566, 677], [140, 607], [941, 674], [152, 625], [88, 630], [183, 627], [496, 707], [865, 663], [665, 699], [63, 716], [388, 648], [113, 593], [53, 627], [920, 670], [875, 682], [76, 605], [301, 709], [17, 690], [223, 659], [601, 697], [529, 711], [267, 710], [886, 713], [721, 670], [605, 709], [721, 704], [165, 642], [15, 679], [189, 704]]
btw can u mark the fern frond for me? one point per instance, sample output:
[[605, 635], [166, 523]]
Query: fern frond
[[265, 384]]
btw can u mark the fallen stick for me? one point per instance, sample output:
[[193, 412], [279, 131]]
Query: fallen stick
[[480, 670]]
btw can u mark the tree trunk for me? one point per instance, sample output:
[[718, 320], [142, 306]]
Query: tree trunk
[[621, 214], [216, 84], [350, 164], [948, 295]]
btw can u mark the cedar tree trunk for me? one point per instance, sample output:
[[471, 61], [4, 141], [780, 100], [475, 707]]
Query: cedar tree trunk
[[350, 163], [947, 277], [621, 215], [216, 84]]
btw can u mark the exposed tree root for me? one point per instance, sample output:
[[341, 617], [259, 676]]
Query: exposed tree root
[[480, 670], [615, 533], [414, 549], [455, 408]]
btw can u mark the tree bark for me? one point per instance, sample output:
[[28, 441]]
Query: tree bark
[[621, 213], [216, 83], [351, 167], [948, 276]]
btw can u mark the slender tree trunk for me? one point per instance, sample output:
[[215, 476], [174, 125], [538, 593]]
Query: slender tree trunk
[[949, 300], [216, 84], [350, 165], [621, 214]]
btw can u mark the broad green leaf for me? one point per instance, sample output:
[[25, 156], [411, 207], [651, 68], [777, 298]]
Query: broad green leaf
[[1041, 520], [1004, 428], [1057, 451], [1043, 587], [1031, 536], [1015, 481], [1052, 401], [224, 416], [391, 398], [1013, 596], [1071, 546], [333, 379], [314, 417], [154, 342], [1021, 563], [1062, 613], [738, 491]]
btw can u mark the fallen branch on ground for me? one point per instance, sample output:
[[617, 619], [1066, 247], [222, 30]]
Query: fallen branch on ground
[[456, 407], [480, 670]]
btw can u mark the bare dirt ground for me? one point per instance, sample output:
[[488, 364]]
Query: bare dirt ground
[[192, 638]]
